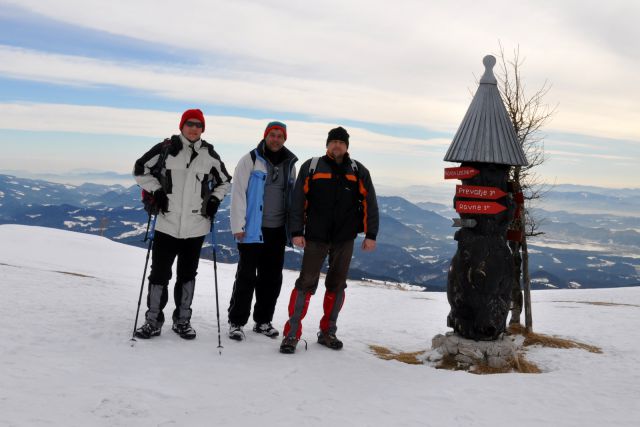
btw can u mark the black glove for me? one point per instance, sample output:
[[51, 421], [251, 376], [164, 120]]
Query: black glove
[[161, 201], [212, 206]]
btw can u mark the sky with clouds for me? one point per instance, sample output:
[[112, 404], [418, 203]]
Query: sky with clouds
[[93, 84]]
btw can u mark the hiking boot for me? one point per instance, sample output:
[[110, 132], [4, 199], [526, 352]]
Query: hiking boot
[[288, 345], [266, 329], [236, 332], [147, 331], [184, 330], [329, 340]]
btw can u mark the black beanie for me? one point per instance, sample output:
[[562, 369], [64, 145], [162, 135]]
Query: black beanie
[[340, 134]]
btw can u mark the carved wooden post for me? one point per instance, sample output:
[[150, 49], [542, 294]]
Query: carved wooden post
[[481, 272]]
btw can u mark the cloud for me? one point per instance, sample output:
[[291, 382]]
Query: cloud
[[232, 130], [291, 94], [58, 137], [258, 91], [575, 155], [131, 129], [410, 63]]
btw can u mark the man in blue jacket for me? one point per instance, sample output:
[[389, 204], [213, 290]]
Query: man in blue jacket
[[263, 184]]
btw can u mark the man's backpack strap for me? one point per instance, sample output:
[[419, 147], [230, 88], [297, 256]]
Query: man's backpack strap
[[159, 172], [354, 167], [360, 199], [313, 165], [160, 168]]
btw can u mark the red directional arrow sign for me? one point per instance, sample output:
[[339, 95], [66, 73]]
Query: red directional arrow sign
[[480, 208], [463, 172], [479, 192]]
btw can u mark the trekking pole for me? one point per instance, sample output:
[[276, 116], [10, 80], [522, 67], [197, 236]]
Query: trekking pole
[[146, 233], [151, 226], [215, 279]]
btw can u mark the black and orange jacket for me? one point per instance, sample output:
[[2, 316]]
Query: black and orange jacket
[[335, 203]]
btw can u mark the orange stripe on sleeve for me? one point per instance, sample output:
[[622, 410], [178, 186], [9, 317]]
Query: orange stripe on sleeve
[[306, 202], [364, 193], [362, 190]]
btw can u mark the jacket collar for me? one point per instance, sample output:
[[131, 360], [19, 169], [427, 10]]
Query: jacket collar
[[288, 155], [187, 143], [345, 158]]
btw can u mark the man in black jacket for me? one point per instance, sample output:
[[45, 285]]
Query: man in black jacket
[[333, 201]]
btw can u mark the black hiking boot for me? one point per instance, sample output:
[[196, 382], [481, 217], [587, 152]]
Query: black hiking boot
[[288, 345], [147, 331], [266, 329], [184, 330], [235, 332], [329, 340]]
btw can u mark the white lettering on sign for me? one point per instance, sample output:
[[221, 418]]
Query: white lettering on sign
[[479, 207], [479, 192], [476, 192]]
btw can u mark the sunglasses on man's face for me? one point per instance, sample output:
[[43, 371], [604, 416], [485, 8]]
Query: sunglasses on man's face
[[192, 124]]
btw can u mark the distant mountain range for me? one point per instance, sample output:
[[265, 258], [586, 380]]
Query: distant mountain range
[[77, 177], [415, 244]]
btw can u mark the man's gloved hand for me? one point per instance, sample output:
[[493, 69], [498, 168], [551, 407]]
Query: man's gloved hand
[[212, 206], [161, 201]]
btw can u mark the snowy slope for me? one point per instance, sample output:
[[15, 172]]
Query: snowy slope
[[67, 361]]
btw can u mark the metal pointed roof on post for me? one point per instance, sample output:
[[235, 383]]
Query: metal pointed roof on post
[[486, 133]]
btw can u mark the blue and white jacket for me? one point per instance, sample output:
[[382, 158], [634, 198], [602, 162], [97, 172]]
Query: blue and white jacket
[[247, 193]]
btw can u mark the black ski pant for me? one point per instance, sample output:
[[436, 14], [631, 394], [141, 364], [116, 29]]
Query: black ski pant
[[165, 250], [260, 270]]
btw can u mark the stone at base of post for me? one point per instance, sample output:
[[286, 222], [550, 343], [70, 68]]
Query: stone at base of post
[[497, 354]]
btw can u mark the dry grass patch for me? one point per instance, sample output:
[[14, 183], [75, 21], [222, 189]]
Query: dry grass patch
[[385, 353], [520, 364], [55, 271], [448, 362], [607, 304], [74, 274], [532, 338]]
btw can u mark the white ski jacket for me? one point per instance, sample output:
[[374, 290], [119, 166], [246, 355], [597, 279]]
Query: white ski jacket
[[192, 175]]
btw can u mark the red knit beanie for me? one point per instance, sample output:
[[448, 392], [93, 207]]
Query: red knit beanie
[[192, 114], [276, 125]]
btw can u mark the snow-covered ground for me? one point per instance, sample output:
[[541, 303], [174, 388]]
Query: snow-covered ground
[[68, 300]]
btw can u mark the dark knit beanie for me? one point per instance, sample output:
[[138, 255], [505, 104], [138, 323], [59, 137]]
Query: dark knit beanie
[[276, 125], [339, 134], [192, 114]]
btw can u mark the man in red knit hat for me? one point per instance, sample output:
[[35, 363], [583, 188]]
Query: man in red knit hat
[[260, 203], [188, 180]]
